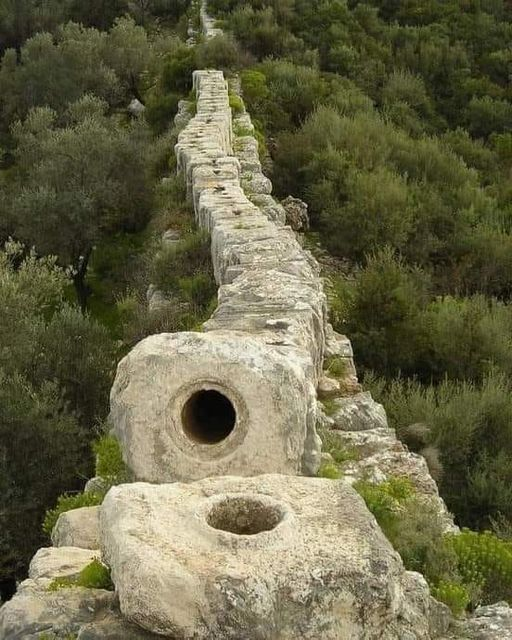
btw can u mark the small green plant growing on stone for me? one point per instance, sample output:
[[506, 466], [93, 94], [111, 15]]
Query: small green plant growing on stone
[[452, 594], [242, 132], [109, 460], [332, 444], [386, 499], [336, 367], [236, 104], [94, 576], [330, 470], [68, 502], [330, 406]]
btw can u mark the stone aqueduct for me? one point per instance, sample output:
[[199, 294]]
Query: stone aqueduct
[[234, 538]]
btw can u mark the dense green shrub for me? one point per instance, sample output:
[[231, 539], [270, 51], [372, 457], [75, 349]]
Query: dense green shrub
[[161, 109], [470, 426], [221, 52], [184, 259], [330, 471], [384, 314], [109, 460], [69, 502], [485, 562], [56, 368], [386, 499], [454, 595]]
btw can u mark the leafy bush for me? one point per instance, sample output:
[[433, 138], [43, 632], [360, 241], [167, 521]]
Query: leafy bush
[[184, 259], [330, 471], [236, 104], [333, 445], [384, 319], [414, 527], [386, 499], [485, 562], [109, 460], [69, 502], [470, 426], [454, 595], [161, 109], [335, 366], [221, 52]]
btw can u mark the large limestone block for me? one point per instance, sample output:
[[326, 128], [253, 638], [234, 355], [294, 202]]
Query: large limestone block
[[359, 412], [52, 562], [263, 558], [34, 610], [190, 405], [493, 622], [112, 626], [77, 528]]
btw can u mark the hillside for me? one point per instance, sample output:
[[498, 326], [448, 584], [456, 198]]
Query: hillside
[[139, 233]]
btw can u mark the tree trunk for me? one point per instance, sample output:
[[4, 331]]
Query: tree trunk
[[81, 288]]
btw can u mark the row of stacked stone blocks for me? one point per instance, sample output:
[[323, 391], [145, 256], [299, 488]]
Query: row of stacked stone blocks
[[259, 558], [239, 397]]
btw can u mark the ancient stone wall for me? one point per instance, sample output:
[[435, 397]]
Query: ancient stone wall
[[261, 354], [263, 557]]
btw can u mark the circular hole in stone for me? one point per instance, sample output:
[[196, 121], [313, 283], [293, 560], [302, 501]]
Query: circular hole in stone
[[244, 516], [208, 417]]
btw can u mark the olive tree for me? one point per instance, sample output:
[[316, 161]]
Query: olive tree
[[56, 369], [76, 184]]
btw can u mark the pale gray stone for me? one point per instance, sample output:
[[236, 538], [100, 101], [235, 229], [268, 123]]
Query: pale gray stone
[[358, 413], [112, 626], [328, 387], [77, 528], [171, 237], [35, 610], [51, 562], [491, 622], [266, 557], [189, 405], [296, 214], [96, 485], [136, 108]]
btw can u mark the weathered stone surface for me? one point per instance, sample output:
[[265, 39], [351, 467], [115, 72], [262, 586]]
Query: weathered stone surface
[[367, 443], [360, 424], [269, 325], [184, 114], [112, 626], [269, 207], [96, 485], [51, 562], [35, 610], [328, 387], [208, 23], [136, 108], [296, 214], [420, 606], [77, 528], [493, 622], [258, 558], [186, 406], [359, 412]]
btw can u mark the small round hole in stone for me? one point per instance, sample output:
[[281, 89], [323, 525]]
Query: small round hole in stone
[[208, 417], [244, 516]]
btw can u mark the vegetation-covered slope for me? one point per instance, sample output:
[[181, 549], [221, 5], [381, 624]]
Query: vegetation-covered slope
[[393, 120]]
